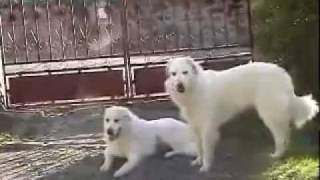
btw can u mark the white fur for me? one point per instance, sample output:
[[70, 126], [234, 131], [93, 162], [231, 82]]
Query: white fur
[[137, 138], [177, 135], [211, 98]]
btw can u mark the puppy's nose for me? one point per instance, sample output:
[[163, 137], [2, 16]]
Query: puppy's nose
[[180, 87], [110, 132]]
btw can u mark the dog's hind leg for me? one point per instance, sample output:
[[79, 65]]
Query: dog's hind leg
[[187, 149], [277, 119], [281, 133], [171, 153]]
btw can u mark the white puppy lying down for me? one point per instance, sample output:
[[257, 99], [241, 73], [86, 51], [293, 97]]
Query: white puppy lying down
[[207, 99], [133, 138]]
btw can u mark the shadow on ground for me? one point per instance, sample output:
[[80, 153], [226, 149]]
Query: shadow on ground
[[241, 154], [228, 165]]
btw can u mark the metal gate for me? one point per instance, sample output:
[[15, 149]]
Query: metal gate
[[79, 52]]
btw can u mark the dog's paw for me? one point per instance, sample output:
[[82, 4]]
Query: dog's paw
[[118, 174], [196, 162], [169, 154], [204, 169], [104, 168], [275, 155]]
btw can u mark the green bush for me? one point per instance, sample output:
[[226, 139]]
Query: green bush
[[287, 31]]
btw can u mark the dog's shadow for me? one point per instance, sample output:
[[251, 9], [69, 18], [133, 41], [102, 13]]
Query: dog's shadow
[[155, 167], [158, 167]]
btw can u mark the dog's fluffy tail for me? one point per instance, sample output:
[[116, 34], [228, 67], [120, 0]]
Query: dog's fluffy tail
[[304, 109]]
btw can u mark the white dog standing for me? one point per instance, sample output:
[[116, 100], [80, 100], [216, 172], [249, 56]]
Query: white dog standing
[[133, 138], [207, 99]]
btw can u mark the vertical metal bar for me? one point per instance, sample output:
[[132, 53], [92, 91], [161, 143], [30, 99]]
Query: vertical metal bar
[[86, 30], [98, 25], [110, 24], [61, 32], [125, 44], [138, 10], [74, 42], [235, 8], [13, 33], [225, 26], [200, 24], [24, 31], [213, 29], [35, 16], [250, 29], [1, 41], [176, 28], [237, 15], [165, 33], [152, 27], [49, 29], [187, 19], [5, 97]]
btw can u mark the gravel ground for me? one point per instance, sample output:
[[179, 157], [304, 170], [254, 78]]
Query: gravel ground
[[70, 147]]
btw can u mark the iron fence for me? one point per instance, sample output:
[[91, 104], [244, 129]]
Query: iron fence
[[85, 51]]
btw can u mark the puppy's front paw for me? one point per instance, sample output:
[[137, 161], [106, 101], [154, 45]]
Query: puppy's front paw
[[196, 162]]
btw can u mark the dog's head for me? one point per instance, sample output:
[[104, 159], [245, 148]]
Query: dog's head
[[182, 72], [116, 119]]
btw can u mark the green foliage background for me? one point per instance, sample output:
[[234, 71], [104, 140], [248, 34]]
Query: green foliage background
[[287, 31]]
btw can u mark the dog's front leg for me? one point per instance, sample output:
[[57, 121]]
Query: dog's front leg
[[198, 140], [132, 161], [210, 137], [107, 161]]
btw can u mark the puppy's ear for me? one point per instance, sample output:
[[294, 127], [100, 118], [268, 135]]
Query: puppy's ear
[[167, 68], [105, 112]]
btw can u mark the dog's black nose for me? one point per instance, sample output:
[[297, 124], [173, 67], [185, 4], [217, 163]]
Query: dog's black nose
[[110, 132], [180, 88]]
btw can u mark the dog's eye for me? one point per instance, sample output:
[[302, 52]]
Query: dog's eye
[[107, 120], [173, 73], [116, 120], [185, 72]]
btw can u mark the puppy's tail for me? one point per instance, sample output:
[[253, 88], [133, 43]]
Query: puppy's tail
[[303, 109]]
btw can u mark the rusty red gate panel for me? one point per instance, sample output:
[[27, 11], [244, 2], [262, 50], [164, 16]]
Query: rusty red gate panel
[[149, 80], [32, 89], [223, 64]]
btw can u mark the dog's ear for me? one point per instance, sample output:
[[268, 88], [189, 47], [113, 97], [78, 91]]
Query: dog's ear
[[128, 116], [194, 65]]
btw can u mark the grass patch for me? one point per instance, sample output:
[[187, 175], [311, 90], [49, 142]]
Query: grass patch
[[302, 159], [294, 168]]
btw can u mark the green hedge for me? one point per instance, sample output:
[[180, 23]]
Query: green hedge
[[287, 31]]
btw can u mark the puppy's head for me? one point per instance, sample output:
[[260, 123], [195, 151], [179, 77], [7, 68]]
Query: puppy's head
[[116, 120], [181, 73]]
